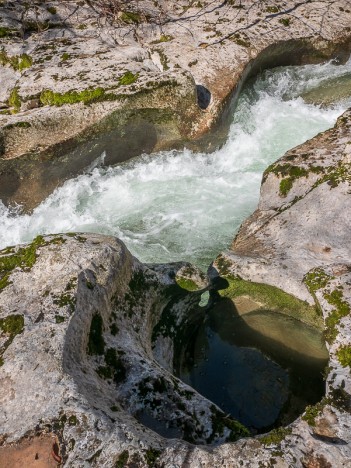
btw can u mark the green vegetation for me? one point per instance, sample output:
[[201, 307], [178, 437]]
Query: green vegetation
[[15, 100], [72, 420], [122, 459], [130, 17], [316, 279], [86, 96], [151, 456], [276, 436], [344, 356], [339, 398], [11, 326], [59, 318], [23, 258], [243, 42], [163, 38], [274, 299], [285, 186], [272, 9], [5, 32], [163, 59], [335, 175], [64, 300], [289, 173], [312, 412], [285, 21], [220, 422], [104, 372], [17, 62], [96, 342], [187, 283], [65, 56], [128, 78], [19, 125], [223, 265], [342, 309]]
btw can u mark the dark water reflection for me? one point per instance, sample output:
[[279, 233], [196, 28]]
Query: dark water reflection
[[262, 367]]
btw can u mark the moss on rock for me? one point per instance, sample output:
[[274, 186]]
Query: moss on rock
[[15, 100], [128, 78], [276, 436], [344, 355], [23, 258], [273, 298], [342, 309], [10, 326]]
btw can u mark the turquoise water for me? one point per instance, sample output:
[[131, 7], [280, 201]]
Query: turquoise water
[[262, 367]]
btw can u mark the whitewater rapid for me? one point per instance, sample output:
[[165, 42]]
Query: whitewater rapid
[[180, 205]]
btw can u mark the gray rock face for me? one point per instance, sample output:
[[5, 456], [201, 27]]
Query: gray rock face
[[88, 335], [77, 76], [302, 220], [82, 326]]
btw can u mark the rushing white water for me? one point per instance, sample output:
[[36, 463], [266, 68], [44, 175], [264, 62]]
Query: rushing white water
[[179, 205]]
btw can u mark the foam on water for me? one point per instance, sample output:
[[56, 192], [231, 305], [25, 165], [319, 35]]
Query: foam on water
[[179, 205]]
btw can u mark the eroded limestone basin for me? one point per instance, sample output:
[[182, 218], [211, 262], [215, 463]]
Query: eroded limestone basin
[[260, 366]]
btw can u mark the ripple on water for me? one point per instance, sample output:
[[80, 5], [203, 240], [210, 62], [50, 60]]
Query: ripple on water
[[180, 205]]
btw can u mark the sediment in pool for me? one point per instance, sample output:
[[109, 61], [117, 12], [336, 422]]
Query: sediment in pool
[[260, 366]]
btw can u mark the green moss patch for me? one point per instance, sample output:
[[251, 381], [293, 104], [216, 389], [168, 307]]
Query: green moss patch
[[187, 283], [17, 62], [15, 100], [285, 21], [316, 279], [344, 356], [313, 411], [122, 459], [130, 17], [59, 318], [128, 78], [335, 175], [86, 96], [342, 309], [66, 300], [289, 174], [163, 38], [276, 436], [23, 258], [285, 186], [5, 32], [151, 457], [220, 423], [18, 124], [10, 326], [65, 56], [274, 299]]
